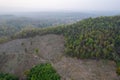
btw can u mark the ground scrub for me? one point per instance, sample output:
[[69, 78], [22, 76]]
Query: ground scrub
[[43, 72], [36, 50], [6, 76]]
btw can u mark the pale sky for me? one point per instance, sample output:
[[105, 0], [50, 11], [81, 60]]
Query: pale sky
[[59, 5]]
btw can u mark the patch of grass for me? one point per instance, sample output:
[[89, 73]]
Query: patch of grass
[[26, 72], [118, 70], [43, 72], [6, 76], [36, 50]]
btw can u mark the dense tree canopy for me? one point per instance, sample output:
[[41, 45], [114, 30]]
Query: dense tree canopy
[[94, 38], [89, 38]]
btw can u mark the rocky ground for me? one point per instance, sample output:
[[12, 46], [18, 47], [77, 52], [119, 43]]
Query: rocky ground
[[20, 55]]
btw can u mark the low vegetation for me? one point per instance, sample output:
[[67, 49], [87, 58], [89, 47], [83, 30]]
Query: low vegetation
[[6, 76], [36, 50], [43, 72]]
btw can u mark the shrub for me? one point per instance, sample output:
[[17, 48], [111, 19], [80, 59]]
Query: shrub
[[6, 76], [43, 72], [36, 50], [118, 71]]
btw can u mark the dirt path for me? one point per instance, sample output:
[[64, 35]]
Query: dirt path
[[19, 55]]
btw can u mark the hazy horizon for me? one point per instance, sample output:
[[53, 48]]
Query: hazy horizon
[[58, 5]]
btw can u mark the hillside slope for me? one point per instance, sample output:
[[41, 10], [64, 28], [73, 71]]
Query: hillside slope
[[95, 38], [20, 55]]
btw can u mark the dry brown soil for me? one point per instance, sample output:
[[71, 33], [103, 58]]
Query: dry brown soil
[[20, 55]]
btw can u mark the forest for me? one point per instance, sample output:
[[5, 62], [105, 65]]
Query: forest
[[10, 24], [91, 38]]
